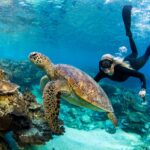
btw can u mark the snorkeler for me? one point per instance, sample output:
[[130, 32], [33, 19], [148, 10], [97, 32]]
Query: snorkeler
[[118, 69]]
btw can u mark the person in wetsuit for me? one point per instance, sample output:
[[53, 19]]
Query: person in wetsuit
[[118, 69]]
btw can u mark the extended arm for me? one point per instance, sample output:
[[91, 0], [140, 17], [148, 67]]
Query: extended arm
[[99, 76], [134, 73]]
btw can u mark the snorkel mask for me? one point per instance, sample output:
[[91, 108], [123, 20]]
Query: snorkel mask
[[106, 61]]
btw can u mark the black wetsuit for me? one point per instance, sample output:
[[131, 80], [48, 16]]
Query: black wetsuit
[[121, 73]]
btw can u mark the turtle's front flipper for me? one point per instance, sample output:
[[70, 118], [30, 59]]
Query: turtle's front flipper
[[51, 97], [44, 80], [113, 118]]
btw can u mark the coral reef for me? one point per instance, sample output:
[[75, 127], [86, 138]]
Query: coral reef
[[21, 114], [11, 105], [39, 131], [3, 144], [81, 118], [22, 73], [132, 116]]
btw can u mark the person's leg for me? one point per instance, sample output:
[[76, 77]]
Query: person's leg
[[134, 52], [126, 15], [141, 61]]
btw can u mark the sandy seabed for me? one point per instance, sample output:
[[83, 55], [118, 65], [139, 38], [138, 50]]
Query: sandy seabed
[[97, 139]]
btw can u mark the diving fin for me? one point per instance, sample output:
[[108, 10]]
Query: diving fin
[[126, 15]]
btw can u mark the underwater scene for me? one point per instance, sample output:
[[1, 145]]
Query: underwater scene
[[74, 75]]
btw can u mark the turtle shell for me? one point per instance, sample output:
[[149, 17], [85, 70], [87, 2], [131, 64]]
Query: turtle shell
[[84, 86], [7, 87]]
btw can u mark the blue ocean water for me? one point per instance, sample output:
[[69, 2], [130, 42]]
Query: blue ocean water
[[75, 32], [71, 31]]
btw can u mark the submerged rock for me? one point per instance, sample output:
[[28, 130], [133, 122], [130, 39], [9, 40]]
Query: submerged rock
[[139, 117], [139, 107], [110, 128], [86, 119], [3, 144], [39, 131], [38, 134], [11, 104], [21, 114]]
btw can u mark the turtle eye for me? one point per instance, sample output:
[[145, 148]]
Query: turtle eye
[[33, 55]]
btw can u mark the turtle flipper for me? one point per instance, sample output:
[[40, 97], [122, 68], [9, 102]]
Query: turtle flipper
[[51, 97], [44, 80], [113, 118]]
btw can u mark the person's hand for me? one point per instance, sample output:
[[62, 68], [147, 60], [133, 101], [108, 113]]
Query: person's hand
[[142, 93]]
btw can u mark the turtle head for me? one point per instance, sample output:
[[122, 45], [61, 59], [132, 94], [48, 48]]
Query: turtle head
[[42, 62], [39, 59]]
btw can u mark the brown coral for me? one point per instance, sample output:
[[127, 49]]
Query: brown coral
[[3, 144], [22, 115], [39, 132]]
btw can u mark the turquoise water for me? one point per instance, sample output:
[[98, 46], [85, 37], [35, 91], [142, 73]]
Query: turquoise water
[[76, 32], [70, 31]]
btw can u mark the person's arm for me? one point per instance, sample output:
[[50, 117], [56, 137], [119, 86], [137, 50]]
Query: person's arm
[[99, 76], [134, 73]]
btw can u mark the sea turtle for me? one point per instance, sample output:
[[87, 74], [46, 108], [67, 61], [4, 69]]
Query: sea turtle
[[73, 85]]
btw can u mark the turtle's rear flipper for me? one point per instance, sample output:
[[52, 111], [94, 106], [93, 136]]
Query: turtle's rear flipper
[[113, 118], [126, 15], [51, 97]]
